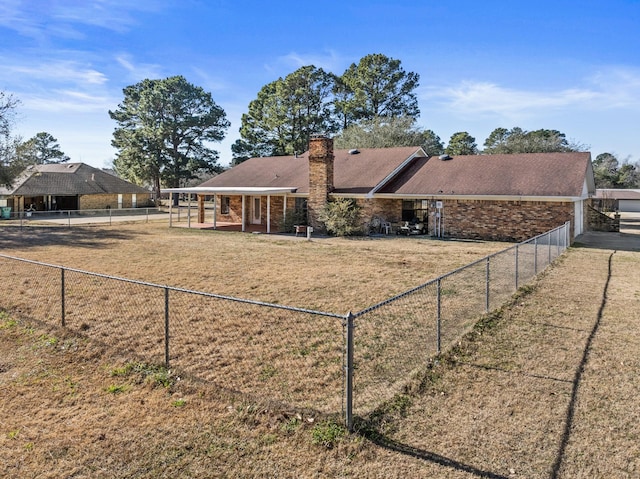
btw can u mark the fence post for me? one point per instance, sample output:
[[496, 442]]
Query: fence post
[[62, 305], [438, 322], [487, 282], [69, 218], [349, 368], [535, 255], [549, 242], [517, 269], [166, 327], [109, 216]]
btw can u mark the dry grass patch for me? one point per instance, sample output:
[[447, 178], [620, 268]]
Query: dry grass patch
[[496, 407], [328, 274]]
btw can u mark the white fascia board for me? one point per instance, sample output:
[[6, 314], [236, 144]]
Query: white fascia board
[[555, 199], [418, 153], [231, 190]]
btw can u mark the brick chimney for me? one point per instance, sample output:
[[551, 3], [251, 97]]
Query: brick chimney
[[320, 177]]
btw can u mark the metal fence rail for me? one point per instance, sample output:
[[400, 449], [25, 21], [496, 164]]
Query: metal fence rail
[[310, 359], [69, 218]]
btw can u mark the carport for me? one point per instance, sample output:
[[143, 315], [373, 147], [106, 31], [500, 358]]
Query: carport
[[251, 198]]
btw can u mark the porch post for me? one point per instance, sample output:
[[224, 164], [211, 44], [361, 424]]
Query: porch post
[[243, 210], [268, 214], [189, 211], [284, 212], [215, 209], [201, 217], [170, 208]]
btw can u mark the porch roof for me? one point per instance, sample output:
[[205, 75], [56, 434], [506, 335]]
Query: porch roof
[[231, 190]]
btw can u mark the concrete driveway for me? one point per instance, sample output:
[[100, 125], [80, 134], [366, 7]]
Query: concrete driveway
[[628, 239]]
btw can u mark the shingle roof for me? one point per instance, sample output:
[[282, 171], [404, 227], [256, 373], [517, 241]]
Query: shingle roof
[[353, 173], [617, 194], [68, 179], [530, 174]]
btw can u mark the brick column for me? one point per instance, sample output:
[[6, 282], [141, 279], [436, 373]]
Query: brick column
[[320, 177], [200, 208]]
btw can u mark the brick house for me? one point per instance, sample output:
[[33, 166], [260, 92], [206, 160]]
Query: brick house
[[71, 186], [494, 197]]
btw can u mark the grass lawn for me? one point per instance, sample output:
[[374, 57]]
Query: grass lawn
[[329, 274], [546, 388]]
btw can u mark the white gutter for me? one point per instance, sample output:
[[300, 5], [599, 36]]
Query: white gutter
[[231, 190]]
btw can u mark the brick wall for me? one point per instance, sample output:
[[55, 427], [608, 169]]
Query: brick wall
[[503, 220], [387, 209], [481, 219], [598, 221], [98, 202]]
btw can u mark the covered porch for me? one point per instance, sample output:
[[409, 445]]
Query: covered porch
[[249, 209]]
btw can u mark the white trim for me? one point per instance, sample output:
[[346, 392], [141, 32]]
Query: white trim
[[558, 199], [256, 215], [232, 190], [578, 213]]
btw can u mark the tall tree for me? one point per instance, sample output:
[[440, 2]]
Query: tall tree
[[432, 144], [41, 149], [461, 143], [610, 173], [164, 131], [518, 140], [286, 113], [8, 106], [377, 86], [387, 132]]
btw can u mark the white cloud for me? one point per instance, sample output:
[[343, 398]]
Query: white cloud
[[209, 82], [58, 18], [59, 71], [330, 61], [615, 89], [139, 71], [67, 101]]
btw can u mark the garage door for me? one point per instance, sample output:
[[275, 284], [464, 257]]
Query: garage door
[[629, 205]]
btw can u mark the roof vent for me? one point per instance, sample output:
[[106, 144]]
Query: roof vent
[[445, 157], [354, 151]]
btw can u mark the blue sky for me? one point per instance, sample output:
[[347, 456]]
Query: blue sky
[[573, 66]]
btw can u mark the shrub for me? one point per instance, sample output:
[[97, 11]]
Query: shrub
[[341, 217]]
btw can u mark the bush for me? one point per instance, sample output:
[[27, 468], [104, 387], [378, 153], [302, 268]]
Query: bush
[[295, 217], [341, 217]]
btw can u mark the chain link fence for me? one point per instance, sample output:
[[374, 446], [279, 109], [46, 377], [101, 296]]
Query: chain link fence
[[394, 340], [70, 218], [305, 358]]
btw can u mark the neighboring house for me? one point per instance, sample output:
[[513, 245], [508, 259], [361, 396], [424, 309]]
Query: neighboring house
[[609, 199], [70, 186], [496, 197]]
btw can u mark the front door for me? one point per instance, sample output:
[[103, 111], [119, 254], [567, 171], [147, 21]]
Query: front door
[[256, 214]]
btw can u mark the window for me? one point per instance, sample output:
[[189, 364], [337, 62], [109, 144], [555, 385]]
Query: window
[[225, 203], [412, 209]]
